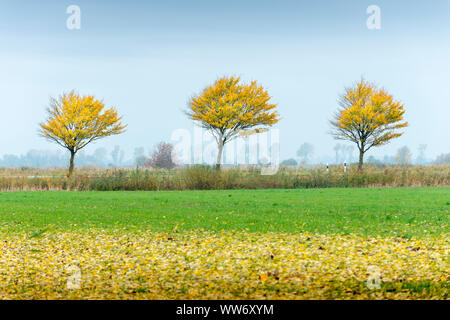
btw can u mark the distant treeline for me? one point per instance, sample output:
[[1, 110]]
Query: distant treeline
[[44, 158], [116, 158]]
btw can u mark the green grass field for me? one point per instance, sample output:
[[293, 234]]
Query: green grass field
[[231, 244], [402, 212]]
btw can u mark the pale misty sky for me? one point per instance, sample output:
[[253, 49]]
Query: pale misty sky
[[148, 57]]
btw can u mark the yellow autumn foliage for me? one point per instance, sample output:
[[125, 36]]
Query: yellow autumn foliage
[[368, 116], [228, 108], [74, 121]]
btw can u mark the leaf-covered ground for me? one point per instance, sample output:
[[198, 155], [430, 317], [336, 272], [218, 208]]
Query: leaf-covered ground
[[100, 264], [232, 244]]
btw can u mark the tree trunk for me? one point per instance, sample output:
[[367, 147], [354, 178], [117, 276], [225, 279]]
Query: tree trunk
[[71, 166], [361, 159], [219, 154]]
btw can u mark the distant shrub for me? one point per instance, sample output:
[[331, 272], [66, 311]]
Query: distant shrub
[[289, 162], [162, 156], [442, 159]]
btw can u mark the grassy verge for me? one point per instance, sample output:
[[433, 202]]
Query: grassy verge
[[207, 178]]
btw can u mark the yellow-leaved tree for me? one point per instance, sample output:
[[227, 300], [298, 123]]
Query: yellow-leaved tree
[[229, 108], [368, 116], [74, 121]]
